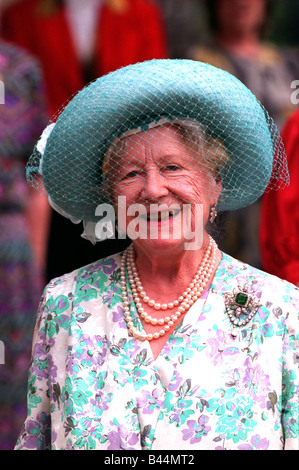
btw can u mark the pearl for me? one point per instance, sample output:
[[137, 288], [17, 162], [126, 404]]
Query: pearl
[[189, 296]]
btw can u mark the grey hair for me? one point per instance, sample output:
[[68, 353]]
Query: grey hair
[[194, 136], [212, 150]]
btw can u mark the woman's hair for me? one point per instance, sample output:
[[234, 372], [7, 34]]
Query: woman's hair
[[211, 150], [211, 7]]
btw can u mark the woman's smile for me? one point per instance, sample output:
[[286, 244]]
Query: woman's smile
[[160, 217]]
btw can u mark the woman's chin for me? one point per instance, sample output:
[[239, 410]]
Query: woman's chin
[[164, 245], [159, 245]]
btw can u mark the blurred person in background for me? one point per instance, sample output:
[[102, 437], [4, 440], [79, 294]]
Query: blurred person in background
[[77, 42], [181, 20], [237, 44], [280, 215], [22, 234]]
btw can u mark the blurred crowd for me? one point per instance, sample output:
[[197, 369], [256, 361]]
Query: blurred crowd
[[50, 49]]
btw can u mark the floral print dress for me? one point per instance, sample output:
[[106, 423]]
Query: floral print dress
[[92, 386]]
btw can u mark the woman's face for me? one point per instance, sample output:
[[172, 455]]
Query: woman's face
[[243, 16], [160, 182]]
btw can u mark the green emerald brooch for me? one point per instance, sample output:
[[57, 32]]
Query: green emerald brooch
[[241, 305]]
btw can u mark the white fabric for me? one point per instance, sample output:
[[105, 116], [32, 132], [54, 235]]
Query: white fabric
[[83, 19]]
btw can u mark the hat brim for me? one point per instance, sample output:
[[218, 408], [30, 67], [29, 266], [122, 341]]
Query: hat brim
[[146, 92]]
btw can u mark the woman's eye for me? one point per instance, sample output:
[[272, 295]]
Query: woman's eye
[[172, 167], [131, 174]]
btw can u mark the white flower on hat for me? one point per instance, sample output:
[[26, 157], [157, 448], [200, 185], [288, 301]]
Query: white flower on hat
[[41, 144]]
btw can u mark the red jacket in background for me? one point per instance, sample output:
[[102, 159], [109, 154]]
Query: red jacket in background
[[280, 215], [135, 35]]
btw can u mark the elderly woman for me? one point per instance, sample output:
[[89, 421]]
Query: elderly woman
[[170, 344]]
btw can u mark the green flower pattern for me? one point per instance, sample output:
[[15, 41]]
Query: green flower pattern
[[91, 386]]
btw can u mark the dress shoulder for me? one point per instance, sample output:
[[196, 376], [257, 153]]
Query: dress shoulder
[[68, 283], [234, 272]]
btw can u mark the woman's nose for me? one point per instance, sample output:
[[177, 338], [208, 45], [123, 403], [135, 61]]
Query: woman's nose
[[155, 186]]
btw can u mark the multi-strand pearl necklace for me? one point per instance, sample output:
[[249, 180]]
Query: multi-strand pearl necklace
[[184, 302]]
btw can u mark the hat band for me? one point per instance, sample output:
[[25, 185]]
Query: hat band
[[137, 130]]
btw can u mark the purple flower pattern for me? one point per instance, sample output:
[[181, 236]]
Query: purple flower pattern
[[92, 386]]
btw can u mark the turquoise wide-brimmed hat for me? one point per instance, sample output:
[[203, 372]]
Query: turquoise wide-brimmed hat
[[70, 155]]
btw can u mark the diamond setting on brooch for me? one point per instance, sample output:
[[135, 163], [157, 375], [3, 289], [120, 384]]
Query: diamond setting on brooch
[[241, 305]]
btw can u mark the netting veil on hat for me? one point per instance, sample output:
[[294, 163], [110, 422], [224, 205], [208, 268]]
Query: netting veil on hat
[[71, 160]]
